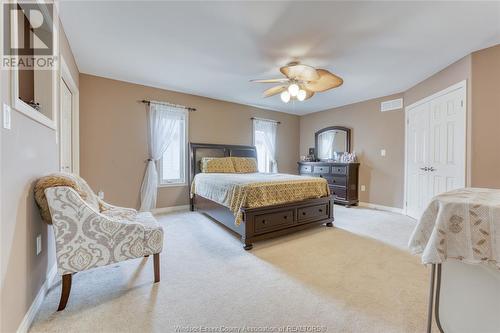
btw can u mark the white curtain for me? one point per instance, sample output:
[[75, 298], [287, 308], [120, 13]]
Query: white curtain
[[161, 124], [269, 129]]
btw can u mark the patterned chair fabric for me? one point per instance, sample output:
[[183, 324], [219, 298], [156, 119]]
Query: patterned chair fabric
[[87, 238]]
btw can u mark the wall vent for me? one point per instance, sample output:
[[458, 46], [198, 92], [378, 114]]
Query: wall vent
[[394, 104]]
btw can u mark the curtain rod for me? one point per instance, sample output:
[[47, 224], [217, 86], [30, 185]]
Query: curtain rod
[[145, 101], [269, 120]]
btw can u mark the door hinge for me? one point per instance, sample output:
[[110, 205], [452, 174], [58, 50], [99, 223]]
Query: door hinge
[[462, 103]]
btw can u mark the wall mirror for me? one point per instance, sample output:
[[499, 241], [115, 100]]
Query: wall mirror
[[331, 142]]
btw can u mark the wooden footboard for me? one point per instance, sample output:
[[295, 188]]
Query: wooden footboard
[[270, 221]]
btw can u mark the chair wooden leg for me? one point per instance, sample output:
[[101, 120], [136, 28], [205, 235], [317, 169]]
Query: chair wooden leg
[[66, 289], [156, 265]]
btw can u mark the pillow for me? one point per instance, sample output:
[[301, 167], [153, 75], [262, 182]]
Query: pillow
[[245, 164], [217, 165], [62, 179]]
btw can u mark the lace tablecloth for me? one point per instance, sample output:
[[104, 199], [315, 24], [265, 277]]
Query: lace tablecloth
[[462, 224]]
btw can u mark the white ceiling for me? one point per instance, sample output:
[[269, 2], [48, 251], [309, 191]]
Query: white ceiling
[[213, 49]]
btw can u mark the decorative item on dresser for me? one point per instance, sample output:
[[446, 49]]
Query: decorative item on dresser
[[342, 179]]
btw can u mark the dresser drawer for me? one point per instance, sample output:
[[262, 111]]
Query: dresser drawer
[[339, 170], [321, 169], [338, 180], [267, 222], [306, 169], [338, 192], [312, 212]]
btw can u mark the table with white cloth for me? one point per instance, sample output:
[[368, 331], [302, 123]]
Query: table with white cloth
[[461, 225]]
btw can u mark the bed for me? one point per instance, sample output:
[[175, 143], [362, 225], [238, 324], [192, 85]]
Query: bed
[[256, 222]]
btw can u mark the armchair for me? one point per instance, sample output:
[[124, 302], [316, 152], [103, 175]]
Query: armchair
[[89, 235]]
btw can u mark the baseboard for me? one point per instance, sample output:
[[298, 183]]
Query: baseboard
[[164, 210], [37, 302], [381, 207]]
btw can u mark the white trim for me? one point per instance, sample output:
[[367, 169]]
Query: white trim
[[381, 207], [456, 86], [37, 302], [164, 210], [75, 116]]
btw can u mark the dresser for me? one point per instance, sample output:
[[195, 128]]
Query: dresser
[[342, 179]]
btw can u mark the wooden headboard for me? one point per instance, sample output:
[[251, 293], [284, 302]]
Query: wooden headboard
[[199, 150]]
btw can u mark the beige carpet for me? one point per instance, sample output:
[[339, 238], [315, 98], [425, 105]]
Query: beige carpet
[[355, 278]]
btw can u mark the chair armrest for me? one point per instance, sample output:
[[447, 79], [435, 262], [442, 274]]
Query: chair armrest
[[85, 238], [103, 205]]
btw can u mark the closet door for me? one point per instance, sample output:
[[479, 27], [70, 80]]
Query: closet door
[[447, 143], [418, 159], [435, 147]]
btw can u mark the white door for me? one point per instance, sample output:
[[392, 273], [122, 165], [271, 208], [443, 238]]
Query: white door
[[435, 146], [66, 128]]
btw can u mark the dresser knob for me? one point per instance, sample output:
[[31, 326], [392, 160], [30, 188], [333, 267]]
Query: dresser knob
[[303, 213], [285, 217], [321, 210], [263, 221]]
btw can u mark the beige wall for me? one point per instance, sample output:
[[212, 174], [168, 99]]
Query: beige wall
[[28, 151], [372, 131], [454, 73], [113, 135], [486, 118]]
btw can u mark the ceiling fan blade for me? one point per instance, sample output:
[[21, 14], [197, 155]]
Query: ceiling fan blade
[[274, 90], [281, 80], [325, 81], [300, 72]]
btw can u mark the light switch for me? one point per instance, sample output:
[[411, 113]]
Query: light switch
[[363, 188], [38, 244], [6, 116], [382, 152]]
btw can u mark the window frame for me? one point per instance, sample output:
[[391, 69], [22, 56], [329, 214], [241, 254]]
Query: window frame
[[184, 154]]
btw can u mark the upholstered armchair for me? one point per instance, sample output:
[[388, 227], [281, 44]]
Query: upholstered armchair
[[90, 233]]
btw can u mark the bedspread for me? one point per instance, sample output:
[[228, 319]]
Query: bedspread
[[253, 190]]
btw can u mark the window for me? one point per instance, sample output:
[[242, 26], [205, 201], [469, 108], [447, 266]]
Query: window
[[173, 163], [264, 140]]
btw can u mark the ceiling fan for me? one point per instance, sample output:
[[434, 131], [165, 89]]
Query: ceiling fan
[[301, 82]]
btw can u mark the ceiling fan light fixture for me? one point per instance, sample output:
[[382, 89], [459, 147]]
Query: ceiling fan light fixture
[[293, 89], [301, 95], [285, 96]]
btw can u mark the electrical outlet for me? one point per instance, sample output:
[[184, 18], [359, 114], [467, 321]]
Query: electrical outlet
[[38, 244], [363, 188], [6, 116], [382, 152]]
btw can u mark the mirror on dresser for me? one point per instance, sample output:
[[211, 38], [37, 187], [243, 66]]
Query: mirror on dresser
[[331, 142]]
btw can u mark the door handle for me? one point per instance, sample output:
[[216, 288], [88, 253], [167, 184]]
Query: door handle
[[425, 169]]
